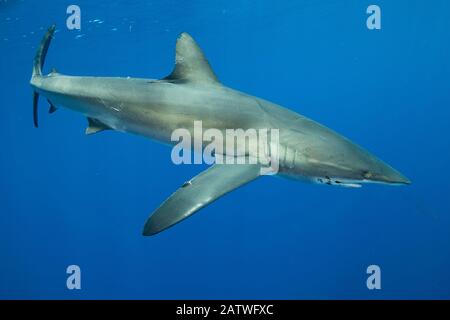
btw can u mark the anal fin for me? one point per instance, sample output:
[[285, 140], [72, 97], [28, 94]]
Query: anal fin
[[95, 126], [52, 107]]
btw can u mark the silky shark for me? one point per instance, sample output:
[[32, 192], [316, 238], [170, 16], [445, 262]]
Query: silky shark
[[155, 108]]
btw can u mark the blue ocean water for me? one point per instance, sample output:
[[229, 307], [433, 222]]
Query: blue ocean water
[[67, 198]]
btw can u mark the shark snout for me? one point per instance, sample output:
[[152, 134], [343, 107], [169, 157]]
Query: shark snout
[[383, 173], [394, 177], [360, 165]]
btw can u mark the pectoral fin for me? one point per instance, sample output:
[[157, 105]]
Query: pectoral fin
[[198, 193]]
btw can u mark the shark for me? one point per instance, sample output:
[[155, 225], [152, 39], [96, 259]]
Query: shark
[[154, 108]]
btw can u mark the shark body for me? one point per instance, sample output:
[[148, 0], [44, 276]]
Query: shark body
[[155, 108]]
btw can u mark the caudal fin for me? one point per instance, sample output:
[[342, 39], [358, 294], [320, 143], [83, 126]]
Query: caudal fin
[[39, 60], [41, 52]]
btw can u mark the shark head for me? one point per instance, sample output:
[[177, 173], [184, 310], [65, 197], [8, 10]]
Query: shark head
[[359, 171], [380, 172], [353, 166], [326, 157]]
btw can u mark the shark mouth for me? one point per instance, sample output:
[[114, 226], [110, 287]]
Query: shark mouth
[[338, 182]]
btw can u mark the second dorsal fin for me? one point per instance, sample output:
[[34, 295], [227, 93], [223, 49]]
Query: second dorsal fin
[[191, 64]]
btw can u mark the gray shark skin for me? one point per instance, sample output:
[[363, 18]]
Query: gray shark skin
[[155, 108]]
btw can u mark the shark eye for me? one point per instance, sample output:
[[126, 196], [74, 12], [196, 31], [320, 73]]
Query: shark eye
[[367, 174]]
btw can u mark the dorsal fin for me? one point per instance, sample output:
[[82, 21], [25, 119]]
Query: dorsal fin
[[54, 71], [191, 64]]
